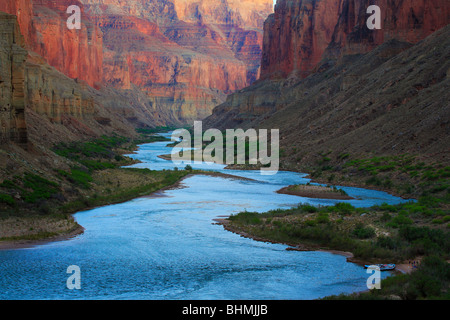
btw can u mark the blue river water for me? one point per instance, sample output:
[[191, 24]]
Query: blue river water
[[167, 247]]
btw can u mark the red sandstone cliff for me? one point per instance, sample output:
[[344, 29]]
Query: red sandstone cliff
[[76, 53], [402, 20], [186, 55], [331, 85], [39, 105], [296, 36], [302, 32], [328, 82]]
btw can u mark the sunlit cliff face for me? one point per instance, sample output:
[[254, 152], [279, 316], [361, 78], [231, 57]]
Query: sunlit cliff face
[[186, 55]]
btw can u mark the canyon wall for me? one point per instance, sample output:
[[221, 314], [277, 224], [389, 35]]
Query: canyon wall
[[303, 32], [296, 36], [40, 106], [76, 53], [405, 20], [46, 58], [12, 81], [54, 96], [186, 55], [304, 37], [332, 86]]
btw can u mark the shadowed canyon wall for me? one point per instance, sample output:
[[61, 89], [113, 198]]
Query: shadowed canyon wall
[[307, 36], [330, 83], [40, 104], [302, 32]]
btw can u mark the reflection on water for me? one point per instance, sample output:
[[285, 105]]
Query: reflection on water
[[168, 247]]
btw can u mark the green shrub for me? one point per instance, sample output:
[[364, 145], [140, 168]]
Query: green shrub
[[385, 217], [93, 165], [362, 232], [374, 181], [309, 208], [247, 218], [399, 220], [7, 199], [386, 242], [8, 184], [343, 208], [430, 280], [388, 207], [323, 217], [42, 189], [80, 177]]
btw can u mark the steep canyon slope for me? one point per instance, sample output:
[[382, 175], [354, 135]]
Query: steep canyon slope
[[332, 86]]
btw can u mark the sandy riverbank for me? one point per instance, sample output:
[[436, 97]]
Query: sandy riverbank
[[24, 244], [319, 192]]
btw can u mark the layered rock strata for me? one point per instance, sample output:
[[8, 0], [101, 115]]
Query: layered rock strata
[[185, 55], [301, 33], [12, 81]]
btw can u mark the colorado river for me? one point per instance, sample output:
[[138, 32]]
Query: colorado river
[[167, 246]]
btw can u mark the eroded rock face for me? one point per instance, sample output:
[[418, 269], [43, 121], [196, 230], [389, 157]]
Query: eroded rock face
[[12, 81], [23, 9], [296, 36], [41, 105], [52, 95], [185, 55], [405, 20], [366, 91], [76, 53], [302, 32]]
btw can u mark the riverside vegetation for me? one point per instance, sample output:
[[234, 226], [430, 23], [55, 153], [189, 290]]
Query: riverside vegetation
[[380, 234], [34, 207]]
